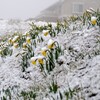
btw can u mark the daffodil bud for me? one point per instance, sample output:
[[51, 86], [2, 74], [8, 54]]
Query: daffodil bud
[[93, 20]]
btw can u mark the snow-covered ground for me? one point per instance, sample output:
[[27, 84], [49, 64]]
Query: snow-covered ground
[[11, 26], [80, 68]]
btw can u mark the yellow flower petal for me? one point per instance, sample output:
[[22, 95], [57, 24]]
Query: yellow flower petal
[[46, 33], [33, 62], [40, 61], [43, 53], [51, 46], [28, 40], [93, 22], [10, 41], [24, 45]]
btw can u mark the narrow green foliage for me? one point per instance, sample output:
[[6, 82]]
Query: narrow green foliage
[[53, 87], [31, 95]]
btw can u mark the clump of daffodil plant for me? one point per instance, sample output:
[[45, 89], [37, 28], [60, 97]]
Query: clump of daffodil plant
[[53, 87], [49, 59], [54, 47], [85, 18], [67, 94], [24, 60], [95, 17], [30, 51], [26, 34], [30, 95], [53, 52], [58, 27], [52, 32], [15, 39], [40, 60], [34, 32], [65, 26], [35, 37], [5, 51], [48, 54], [18, 39]]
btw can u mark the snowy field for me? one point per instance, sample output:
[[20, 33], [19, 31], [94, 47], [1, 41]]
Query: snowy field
[[76, 72], [11, 26]]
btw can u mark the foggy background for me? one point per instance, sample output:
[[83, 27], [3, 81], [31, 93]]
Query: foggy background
[[23, 9]]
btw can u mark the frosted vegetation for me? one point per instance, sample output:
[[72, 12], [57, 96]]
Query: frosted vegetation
[[51, 61]]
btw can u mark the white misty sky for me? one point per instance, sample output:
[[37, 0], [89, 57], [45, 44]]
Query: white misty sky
[[23, 9]]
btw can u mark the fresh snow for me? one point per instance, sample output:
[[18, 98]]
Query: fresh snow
[[83, 74]]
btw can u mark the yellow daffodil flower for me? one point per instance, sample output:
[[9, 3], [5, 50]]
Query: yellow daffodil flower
[[93, 20], [43, 51], [50, 44], [24, 45], [28, 40], [10, 41], [45, 32], [40, 60], [33, 60]]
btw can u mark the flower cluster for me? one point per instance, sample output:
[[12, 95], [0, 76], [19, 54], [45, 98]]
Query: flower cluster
[[48, 56]]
